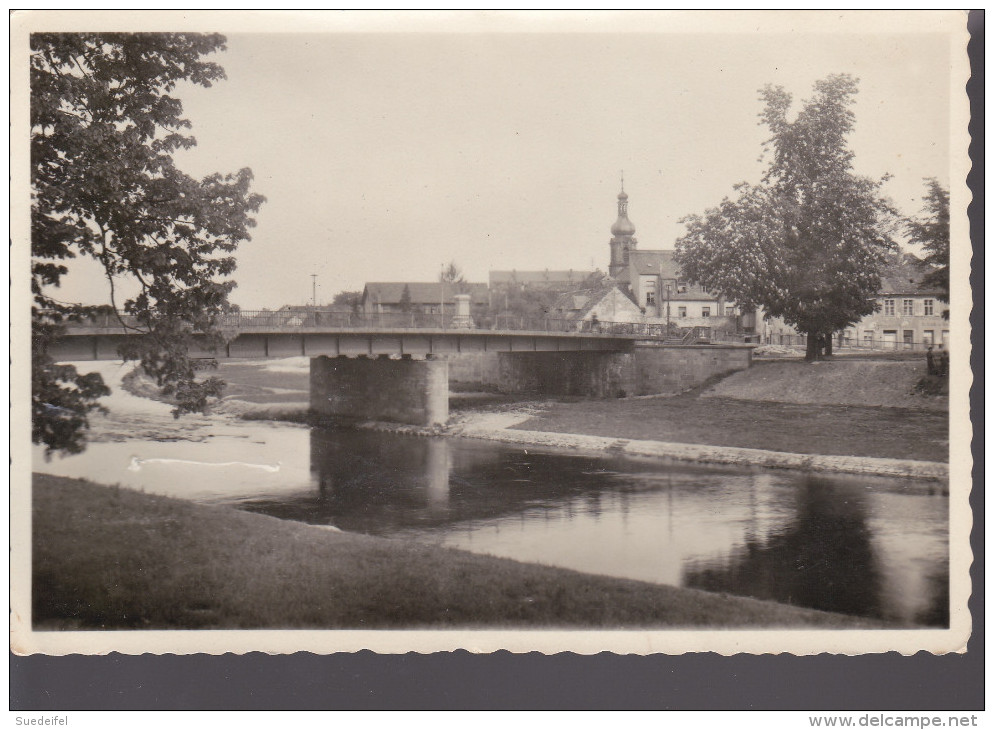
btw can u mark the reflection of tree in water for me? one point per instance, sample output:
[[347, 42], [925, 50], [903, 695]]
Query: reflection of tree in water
[[937, 613], [823, 559]]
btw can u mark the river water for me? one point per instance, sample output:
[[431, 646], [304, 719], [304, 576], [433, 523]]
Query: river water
[[865, 546]]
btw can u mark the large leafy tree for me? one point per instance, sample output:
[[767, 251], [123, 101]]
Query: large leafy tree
[[808, 242], [930, 229], [104, 127]]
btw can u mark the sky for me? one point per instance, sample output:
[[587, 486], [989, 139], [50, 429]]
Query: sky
[[384, 155]]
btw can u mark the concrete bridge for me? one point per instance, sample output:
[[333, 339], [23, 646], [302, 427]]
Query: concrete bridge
[[377, 369], [85, 342]]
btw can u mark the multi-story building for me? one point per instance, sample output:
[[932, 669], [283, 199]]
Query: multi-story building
[[908, 314]]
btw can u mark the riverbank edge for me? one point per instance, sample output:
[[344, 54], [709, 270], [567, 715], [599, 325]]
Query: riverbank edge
[[933, 471], [697, 453]]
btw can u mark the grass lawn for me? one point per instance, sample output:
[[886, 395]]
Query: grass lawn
[[896, 433], [107, 557]]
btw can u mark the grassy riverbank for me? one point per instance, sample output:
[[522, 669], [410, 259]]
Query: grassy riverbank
[[892, 433], [107, 557], [847, 407]]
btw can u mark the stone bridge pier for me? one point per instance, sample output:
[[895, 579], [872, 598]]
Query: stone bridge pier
[[382, 389]]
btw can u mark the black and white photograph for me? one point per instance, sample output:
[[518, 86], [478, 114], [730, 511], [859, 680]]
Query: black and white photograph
[[639, 332]]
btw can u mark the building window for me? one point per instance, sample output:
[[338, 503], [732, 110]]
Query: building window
[[929, 307], [909, 338], [681, 287], [888, 307], [928, 337], [908, 307], [681, 311], [650, 298], [705, 311], [868, 338]]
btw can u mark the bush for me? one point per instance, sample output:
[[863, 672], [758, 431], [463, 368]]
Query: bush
[[931, 385]]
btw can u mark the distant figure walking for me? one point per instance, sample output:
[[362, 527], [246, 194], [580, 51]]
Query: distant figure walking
[[943, 361], [930, 361]]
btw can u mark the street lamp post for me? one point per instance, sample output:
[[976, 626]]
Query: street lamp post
[[667, 310]]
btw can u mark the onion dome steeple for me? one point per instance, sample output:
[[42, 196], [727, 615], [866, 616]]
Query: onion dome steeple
[[623, 234], [623, 226]]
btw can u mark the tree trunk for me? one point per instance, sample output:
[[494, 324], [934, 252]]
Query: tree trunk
[[828, 345], [811, 353]]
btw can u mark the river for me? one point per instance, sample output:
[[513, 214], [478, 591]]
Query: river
[[866, 546]]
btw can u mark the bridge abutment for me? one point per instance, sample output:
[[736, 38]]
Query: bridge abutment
[[647, 369], [591, 374], [384, 389]]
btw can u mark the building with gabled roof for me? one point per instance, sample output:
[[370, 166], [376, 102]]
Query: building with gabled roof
[[380, 297], [547, 279], [602, 303]]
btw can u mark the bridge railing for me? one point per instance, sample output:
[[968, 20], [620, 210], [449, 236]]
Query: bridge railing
[[249, 320]]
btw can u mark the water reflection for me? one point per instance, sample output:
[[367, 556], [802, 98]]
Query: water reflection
[[821, 557], [864, 546]]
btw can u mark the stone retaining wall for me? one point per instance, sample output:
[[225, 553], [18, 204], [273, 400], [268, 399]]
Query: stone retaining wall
[[674, 368], [649, 369]]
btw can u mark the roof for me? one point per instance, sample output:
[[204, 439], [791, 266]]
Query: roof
[[576, 305], [903, 275], [539, 278], [662, 262], [423, 292]]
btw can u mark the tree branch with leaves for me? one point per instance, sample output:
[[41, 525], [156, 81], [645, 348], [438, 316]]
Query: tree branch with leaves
[[930, 230], [104, 186]]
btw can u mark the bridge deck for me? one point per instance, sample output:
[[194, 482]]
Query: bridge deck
[[102, 343]]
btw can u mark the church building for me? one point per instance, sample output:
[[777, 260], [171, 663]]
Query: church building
[[652, 279]]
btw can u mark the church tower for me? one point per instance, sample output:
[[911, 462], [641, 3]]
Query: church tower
[[622, 235]]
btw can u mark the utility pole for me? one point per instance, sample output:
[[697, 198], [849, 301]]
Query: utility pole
[[667, 310], [314, 290]]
